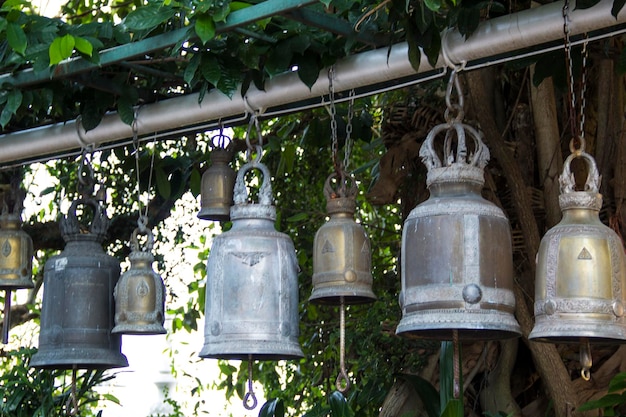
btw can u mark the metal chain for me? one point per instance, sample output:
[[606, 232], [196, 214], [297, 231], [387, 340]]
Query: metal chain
[[254, 121], [577, 132], [333, 121], [454, 110], [349, 140]]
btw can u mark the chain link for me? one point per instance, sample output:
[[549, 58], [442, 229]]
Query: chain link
[[333, 120], [349, 140]]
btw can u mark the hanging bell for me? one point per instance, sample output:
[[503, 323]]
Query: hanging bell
[[456, 255], [77, 312], [216, 193], [16, 253], [252, 283], [140, 292], [580, 284], [341, 251]]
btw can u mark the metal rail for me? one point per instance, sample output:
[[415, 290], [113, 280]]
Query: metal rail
[[509, 37]]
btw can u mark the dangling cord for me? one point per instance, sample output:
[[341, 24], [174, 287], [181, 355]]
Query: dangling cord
[[456, 358], [586, 361], [72, 401], [249, 400], [343, 381]]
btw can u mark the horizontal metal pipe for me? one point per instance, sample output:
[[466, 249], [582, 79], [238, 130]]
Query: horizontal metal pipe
[[493, 38]]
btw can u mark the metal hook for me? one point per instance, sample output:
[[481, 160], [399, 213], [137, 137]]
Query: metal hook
[[586, 361]]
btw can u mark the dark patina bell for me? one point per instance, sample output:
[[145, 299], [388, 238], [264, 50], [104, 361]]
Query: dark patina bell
[[77, 314], [456, 255], [341, 251], [16, 253], [252, 283], [580, 286], [216, 190], [140, 292]]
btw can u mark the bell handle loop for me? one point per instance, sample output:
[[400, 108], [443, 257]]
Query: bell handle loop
[[220, 140], [346, 186], [586, 360], [431, 160], [567, 180], [265, 192], [135, 246], [97, 208]]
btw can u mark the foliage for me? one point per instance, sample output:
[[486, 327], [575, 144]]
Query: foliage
[[29, 392], [614, 402]]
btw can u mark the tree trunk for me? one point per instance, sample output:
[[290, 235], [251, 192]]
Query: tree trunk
[[547, 360], [496, 395]]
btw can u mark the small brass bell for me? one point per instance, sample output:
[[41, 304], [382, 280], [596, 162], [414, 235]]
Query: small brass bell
[[140, 292], [341, 252], [580, 286], [456, 256], [252, 283], [218, 181], [77, 312]]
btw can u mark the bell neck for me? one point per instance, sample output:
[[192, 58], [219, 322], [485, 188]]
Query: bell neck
[[456, 179], [341, 207], [580, 207], [10, 221], [454, 188]]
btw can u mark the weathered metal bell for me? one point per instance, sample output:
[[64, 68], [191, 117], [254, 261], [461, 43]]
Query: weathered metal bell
[[252, 283], [342, 257], [77, 313], [218, 181], [16, 253], [140, 292], [580, 285], [456, 256]]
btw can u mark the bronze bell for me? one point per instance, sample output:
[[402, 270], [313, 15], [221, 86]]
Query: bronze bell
[[140, 292], [456, 256], [580, 286], [218, 180], [77, 310], [16, 253], [252, 283], [342, 257]]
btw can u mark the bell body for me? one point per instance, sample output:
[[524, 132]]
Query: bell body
[[218, 181], [77, 312], [16, 254], [252, 285], [341, 258], [140, 298], [457, 267], [580, 283]]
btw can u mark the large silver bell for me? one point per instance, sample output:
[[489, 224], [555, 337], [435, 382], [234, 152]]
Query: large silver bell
[[140, 292], [77, 311], [341, 251], [580, 285], [216, 192], [252, 283], [456, 256]]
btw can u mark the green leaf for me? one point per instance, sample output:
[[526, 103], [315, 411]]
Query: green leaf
[[608, 400], [195, 182], [16, 38], [211, 70], [83, 46], [148, 17], [454, 408], [446, 374], [297, 217], [125, 110], [585, 4], [308, 69], [618, 5], [433, 5], [162, 183], [273, 408], [191, 69], [204, 27], [61, 48], [339, 406], [427, 393], [14, 101], [221, 13]]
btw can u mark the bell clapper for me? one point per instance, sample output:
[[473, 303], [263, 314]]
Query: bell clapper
[[456, 364], [6, 323], [72, 401], [249, 400], [343, 382], [586, 361]]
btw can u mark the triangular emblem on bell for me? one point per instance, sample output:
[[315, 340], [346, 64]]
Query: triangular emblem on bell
[[341, 251], [140, 292], [580, 285], [77, 312], [456, 256], [252, 282], [216, 191]]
